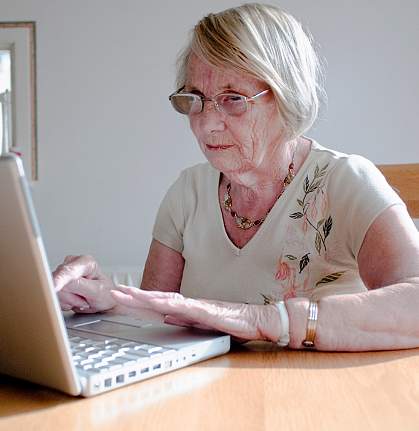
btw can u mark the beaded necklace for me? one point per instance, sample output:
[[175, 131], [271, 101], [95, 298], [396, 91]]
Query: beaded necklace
[[243, 222]]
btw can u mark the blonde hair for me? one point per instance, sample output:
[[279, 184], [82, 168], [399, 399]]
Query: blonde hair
[[269, 44]]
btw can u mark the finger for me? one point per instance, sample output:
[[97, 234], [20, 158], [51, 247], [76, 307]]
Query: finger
[[127, 299], [84, 310], [94, 275], [76, 259], [82, 266], [85, 287], [172, 320], [70, 258], [73, 258], [71, 299], [143, 298]]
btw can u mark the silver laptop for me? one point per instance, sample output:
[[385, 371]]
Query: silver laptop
[[81, 354]]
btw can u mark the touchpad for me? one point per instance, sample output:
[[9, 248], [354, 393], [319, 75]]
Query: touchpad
[[152, 333], [117, 329]]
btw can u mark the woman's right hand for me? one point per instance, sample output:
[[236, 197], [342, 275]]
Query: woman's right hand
[[82, 287]]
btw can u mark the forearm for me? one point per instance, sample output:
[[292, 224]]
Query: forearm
[[382, 319]]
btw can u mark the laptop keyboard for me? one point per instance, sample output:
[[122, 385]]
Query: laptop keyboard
[[111, 353]]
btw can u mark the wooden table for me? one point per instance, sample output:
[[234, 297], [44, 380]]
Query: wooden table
[[254, 387]]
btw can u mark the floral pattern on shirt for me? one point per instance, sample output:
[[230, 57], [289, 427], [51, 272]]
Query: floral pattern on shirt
[[309, 233], [309, 211]]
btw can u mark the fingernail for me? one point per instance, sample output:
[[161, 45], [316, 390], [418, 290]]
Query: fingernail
[[83, 308]]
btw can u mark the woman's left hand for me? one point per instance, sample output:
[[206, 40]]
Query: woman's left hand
[[244, 321]]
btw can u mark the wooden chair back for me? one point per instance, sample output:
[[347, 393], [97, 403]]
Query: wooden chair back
[[405, 179]]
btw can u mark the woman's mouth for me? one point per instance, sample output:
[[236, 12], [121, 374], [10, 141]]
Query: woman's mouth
[[217, 147]]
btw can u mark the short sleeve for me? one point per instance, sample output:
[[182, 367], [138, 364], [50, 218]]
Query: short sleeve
[[358, 193], [170, 221]]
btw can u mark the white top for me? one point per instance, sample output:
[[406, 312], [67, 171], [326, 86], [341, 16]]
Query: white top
[[307, 246]]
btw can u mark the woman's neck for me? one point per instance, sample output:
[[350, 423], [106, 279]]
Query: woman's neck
[[262, 185]]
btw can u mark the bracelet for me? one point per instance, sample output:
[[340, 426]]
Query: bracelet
[[284, 338], [311, 326]]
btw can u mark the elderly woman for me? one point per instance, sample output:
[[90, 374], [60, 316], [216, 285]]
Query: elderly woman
[[277, 237]]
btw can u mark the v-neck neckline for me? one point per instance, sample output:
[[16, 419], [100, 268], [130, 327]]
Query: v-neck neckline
[[277, 206]]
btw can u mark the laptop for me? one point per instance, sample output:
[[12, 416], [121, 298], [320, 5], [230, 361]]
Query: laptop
[[79, 354]]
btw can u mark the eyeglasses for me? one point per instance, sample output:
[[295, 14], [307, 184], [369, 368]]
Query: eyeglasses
[[227, 103]]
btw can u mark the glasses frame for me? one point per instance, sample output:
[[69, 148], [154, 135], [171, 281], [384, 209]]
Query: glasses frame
[[218, 107]]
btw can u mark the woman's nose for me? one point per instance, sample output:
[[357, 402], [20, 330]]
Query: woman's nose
[[211, 119]]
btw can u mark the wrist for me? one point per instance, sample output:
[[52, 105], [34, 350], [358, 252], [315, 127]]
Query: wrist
[[270, 329], [298, 311]]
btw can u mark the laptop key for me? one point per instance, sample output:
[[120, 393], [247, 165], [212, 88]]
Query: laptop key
[[152, 349], [92, 350], [142, 346], [128, 357], [100, 343], [129, 344], [108, 357], [130, 362], [112, 346], [117, 354], [84, 355], [138, 353], [95, 356], [99, 365]]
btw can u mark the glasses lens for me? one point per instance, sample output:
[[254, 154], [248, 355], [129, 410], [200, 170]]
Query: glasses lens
[[232, 104], [186, 103]]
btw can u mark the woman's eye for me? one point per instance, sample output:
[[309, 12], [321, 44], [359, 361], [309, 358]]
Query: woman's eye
[[232, 98]]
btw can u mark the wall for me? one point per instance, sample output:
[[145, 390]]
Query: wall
[[109, 143]]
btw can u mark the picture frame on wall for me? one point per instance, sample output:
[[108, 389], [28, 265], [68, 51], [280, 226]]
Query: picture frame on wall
[[18, 125]]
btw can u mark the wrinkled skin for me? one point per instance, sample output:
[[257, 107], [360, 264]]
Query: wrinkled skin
[[82, 287], [243, 321]]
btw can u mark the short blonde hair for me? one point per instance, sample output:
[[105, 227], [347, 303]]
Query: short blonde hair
[[269, 44]]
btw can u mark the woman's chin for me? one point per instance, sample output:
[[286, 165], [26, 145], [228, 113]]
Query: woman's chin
[[220, 161], [222, 158], [226, 167]]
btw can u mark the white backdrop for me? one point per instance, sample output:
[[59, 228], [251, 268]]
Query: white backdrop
[[109, 143]]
